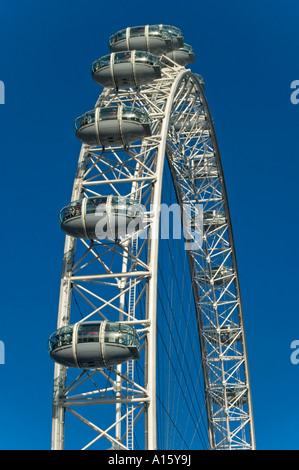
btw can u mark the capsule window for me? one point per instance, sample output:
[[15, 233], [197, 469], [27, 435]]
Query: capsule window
[[96, 204], [62, 337], [121, 334], [102, 62], [135, 115], [112, 333], [172, 30], [137, 31], [157, 31], [88, 333], [126, 206], [143, 57], [119, 36], [85, 119], [113, 337], [186, 48], [71, 210], [147, 58], [108, 113], [122, 57]]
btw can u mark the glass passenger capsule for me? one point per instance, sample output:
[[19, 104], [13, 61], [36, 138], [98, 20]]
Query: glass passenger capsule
[[177, 37], [235, 396], [213, 218], [99, 344], [102, 217], [126, 69], [157, 39], [226, 333], [218, 275], [113, 125], [182, 56]]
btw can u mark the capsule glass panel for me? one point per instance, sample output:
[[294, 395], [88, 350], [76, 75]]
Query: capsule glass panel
[[176, 35], [103, 127], [88, 332], [60, 338], [156, 38], [94, 344], [126, 69], [121, 334], [182, 56], [172, 30], [104, 217]]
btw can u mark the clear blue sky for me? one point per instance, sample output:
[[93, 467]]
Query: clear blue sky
[[248, 55]]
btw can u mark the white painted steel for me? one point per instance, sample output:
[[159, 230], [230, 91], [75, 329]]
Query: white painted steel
[[109, 277]]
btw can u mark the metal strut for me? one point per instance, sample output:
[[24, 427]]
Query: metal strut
[[117, 280]]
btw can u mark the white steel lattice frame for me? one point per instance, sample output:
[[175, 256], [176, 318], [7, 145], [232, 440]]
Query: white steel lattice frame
[[117, 281]]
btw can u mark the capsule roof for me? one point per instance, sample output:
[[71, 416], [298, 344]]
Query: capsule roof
[[152, 38]]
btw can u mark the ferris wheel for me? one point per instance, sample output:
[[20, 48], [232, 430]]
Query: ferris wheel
[[150, 348]]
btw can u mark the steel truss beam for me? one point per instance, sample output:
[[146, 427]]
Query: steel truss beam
[[118, 280]]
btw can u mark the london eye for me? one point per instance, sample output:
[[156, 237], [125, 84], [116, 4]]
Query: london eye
[[149, 347]]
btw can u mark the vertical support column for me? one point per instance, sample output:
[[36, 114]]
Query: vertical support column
[[118, 381], [64, 316], [154, 233], [58, 410]]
